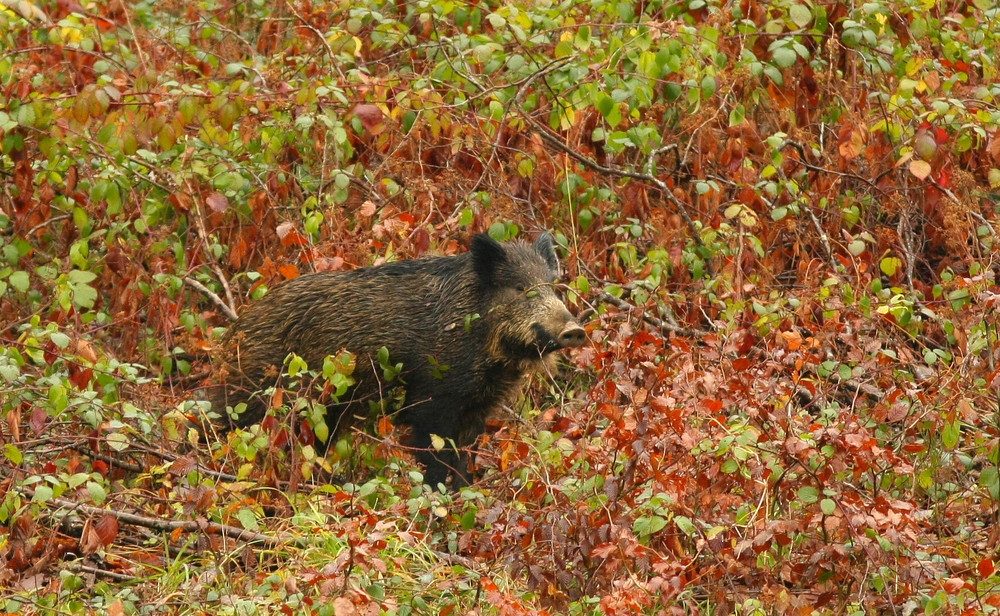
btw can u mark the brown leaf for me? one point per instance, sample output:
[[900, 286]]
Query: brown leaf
[[953, 585], [182, 466], [107, 529], [288, 271], [217, 202], [39, 419], [85, 350], [14, 425], [793, 339], [342, 606], [117, 608], [367, 209], [90, 541]]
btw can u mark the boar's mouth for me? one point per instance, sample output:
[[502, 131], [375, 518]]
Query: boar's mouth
[[571, 336]]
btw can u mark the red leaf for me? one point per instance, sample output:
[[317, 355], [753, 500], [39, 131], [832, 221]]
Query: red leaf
[[371, 118], [986, 567], [712, 404]]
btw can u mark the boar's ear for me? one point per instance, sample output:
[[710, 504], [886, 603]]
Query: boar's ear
[[487, 257], [544, 247]]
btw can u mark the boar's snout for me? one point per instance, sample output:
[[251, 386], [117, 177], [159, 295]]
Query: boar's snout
[[572, 336]]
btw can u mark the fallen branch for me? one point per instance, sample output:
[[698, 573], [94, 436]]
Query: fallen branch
[[194, 526]]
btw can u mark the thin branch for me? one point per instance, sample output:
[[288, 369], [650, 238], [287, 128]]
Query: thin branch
[[553, 140], [664, 326], [194, 284]]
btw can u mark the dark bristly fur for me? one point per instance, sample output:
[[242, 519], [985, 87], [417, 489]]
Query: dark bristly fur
[[457, 367]]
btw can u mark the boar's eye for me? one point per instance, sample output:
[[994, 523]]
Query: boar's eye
[[520, 288]]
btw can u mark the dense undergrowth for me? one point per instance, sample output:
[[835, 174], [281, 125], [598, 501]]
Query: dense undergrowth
[[779, 221]]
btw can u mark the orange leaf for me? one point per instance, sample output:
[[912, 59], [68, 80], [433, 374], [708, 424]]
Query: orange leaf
[[852, 143], [953, 585], [792, 339], [289, 271]]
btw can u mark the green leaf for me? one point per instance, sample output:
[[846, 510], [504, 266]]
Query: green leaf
[[800, 14], [686, 526], [827, 506], [605, 105], [20, 281], [737, 115], [97, 492], [25, 115], [648, 525], [13, 454], [990, 480], [58, 398], [60, 339], [808, 494], [247, 519], [84, 295], [437, 442], [42, 494], [708, 86], [784, 56], [950, 434], [582, 39], [117, 441], [81, 276], [320, 429]]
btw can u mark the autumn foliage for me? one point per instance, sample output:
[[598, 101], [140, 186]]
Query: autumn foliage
[[779, 223]]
